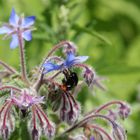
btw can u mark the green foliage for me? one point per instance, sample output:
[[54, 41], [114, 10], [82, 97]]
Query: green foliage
[[107, 31]]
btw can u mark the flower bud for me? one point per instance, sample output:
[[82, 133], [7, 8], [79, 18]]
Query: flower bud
[[49, 130], [63, 113], [35, 134], [73, 115], [112, 115], [70, 110], [88, 76], [70, 47], [5, 132], [124, 111]]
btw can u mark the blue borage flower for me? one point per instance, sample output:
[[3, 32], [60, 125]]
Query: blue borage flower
[[71, 60], [18, 25]]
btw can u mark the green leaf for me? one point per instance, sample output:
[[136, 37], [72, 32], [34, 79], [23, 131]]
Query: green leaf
[[91, 32]]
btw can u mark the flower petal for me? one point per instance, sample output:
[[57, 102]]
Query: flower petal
[[13, 18], [28, 21], [70, 57], [14, 43], [4, 30], [36, 100], [69, 60], [81, 59], [72, 60], [27, 35], [50, 67]]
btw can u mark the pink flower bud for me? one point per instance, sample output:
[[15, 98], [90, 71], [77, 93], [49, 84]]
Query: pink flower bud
[[49, 130], [73, 115], [70, 47], [124, 111], [112, 115], [88, 76], [5, 132], [35, 134]]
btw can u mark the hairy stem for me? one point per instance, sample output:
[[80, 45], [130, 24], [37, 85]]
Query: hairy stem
[[40, 119], [34, 117], [41, 81], [82, 66], [88, 118], [22, 56], [101, 130], [9, 87], [95, 111], [5, 115], [9, 68], [3, 107], [61, 44], [43, 114]]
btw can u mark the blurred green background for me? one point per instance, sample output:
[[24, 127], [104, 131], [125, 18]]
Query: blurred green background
[[108, 31]]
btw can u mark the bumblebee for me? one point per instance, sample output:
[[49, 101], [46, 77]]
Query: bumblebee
[[56, 92], [70, 80]]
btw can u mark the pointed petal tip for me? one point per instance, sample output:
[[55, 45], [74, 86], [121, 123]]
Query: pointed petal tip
[[29, 21], [13, 20]]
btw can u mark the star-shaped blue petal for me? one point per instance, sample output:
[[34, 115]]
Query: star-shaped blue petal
[[71, 60], [4, 29], [27, 35], [18, 24], [50, 67], [28, 21], [13, 20], [14, 43]]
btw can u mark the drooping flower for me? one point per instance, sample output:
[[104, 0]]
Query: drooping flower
[[18, 26], [35, 135], [124, 111], [71, 60], [88, 76], [69, 109], [64, 103], [25, 100], [69, 47]]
